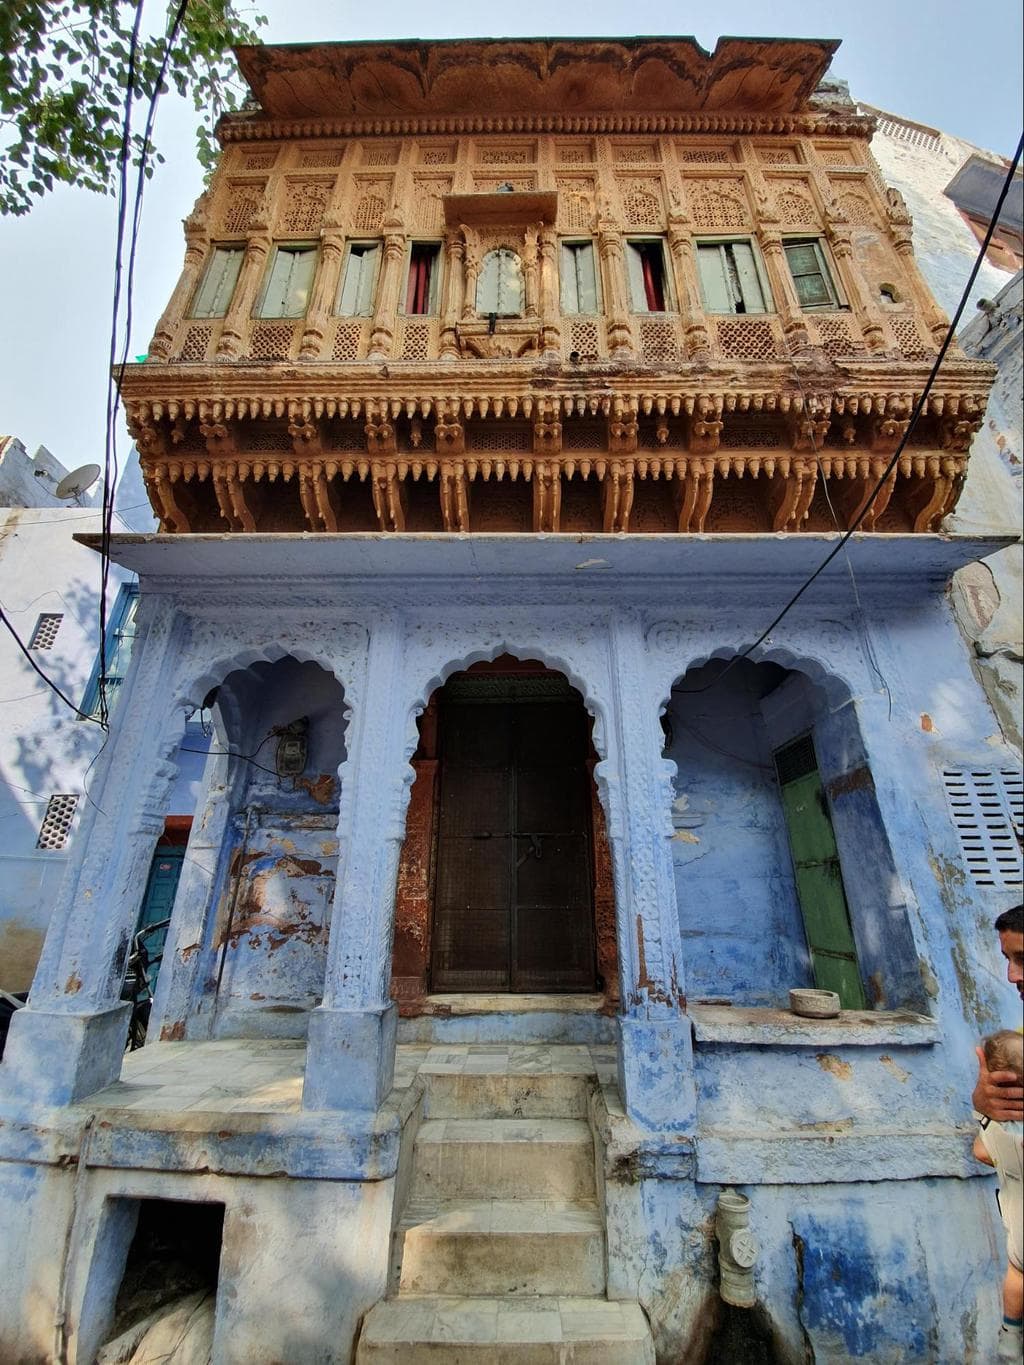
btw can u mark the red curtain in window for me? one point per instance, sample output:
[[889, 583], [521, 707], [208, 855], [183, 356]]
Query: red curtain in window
[[417, 299], [652, 284]]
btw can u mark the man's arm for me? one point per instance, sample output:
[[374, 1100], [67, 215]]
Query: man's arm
[[998, 1094], [981, 1152]]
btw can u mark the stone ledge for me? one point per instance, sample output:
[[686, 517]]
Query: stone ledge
[[761, 1027], [832, 1155]]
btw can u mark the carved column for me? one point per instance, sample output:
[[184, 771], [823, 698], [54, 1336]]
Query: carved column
[[613, 284], [471, 272], [655, 1053], [550, 310], [787, 305], [691, 305], [382, 333], [68, 1042], [324, 291], [239, 316], [856, 286], [934, 318], [451, 299], [531, 286], [351, 1053], [196, 241]]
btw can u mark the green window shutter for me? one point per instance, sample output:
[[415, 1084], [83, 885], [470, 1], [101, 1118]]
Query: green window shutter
[[570, 287], [287, 290], [635, 272], [810, 275], [819, 882], [499, 288], [747, 277], [586, 277], [219, 282], [369, 258], [434, 288], [714, 279]]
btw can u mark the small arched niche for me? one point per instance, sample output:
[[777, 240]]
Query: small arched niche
[[505, 879], [783, 869]]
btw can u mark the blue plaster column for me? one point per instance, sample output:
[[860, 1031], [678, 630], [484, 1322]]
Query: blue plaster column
[[655, 1048], [350, 1059], [69, 1040]]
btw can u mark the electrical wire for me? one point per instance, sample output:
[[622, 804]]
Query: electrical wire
[[49, 681], [893, 462]]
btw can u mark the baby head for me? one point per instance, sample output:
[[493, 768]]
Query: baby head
[[1004, 1051]]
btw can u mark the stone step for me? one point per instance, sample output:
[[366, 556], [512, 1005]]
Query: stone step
[[506, 1247], [437, 1330], [525, 1095], [503, 1159], [467, 1018]]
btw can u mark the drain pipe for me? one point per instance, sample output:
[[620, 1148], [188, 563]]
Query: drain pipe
[[737, 1249]]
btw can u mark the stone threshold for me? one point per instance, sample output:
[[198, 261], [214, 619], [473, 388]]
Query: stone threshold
[[459, 1004]]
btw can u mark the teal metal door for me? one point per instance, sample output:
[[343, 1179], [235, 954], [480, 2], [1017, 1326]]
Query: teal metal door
[[157, 904], [819, 880]]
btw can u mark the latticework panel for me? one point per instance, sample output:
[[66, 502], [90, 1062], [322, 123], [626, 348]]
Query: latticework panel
[[836, 156], [796, 210], [242, 200], [271, 341], [312, 158], [706, 156], [988, 810], [417, 341], [195, 344], [304, 205], [642, 203], [857, 210], [259, 158], [583, 336], [658, 340], [436, 153], [348, 341], [745, 433], [379, 153], [717, 204], [778, 156], [746, 339], [835, 336], [500, 436], [369, 213], [574, 153], [56, 826], [635, 153], [427, 203], [583, 436], [908, 338], [507, 154]]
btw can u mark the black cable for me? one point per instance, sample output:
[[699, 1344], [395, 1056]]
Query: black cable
[[49, 681], [918, 408], [230, 753]]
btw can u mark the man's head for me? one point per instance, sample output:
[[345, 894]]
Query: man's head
[[1004, 1051], [1010, 928]]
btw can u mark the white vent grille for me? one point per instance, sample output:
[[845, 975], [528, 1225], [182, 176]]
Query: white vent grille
[[46, 631], [60, 811], [988, 811]]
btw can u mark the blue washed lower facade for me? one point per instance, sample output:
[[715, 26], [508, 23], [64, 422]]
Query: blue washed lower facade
[[279, 1085]]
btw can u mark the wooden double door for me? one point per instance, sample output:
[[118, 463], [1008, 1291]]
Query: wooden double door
[[513, 892]]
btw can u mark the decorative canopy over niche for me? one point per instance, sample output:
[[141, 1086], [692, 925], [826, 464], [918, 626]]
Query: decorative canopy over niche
[[501, 209], [411, 78]]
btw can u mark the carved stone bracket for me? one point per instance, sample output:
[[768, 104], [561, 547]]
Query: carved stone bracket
[[790, 495]]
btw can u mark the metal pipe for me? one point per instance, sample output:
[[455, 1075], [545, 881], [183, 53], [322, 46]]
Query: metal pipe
[[231, 908]]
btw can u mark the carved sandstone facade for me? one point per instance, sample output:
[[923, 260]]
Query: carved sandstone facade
[[461, 308]]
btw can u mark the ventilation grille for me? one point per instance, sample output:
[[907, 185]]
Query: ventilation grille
[[60, 811], [46, 631], [796, 760], [988, 811]]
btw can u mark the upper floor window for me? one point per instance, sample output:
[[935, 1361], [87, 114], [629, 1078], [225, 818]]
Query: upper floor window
[[424, 276], [579, 278], [807, 265], [359, 280], [499, 289], [645, 265], [731, 279], [213, 297], [120, 640], [286, 291]]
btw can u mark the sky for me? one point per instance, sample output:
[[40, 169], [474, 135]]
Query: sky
[[947, 63]]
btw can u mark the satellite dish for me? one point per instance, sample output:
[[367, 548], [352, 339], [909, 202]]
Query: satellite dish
[[76, 483]]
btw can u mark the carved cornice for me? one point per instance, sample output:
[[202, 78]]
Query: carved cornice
[[257, 128]]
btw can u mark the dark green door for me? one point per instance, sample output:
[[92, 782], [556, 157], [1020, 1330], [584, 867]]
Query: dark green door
[[819, 881], [157, 905]]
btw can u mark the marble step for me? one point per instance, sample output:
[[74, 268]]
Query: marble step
[[468, 1018], [442, 1330], [503, 1159], [526, 1095], [505, 1247]]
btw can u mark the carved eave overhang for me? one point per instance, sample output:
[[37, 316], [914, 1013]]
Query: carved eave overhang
[[537, 85], [242, 428]]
